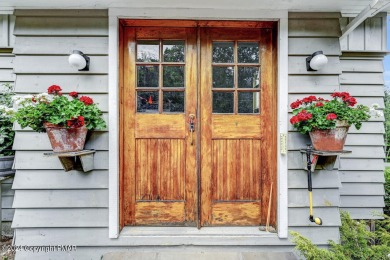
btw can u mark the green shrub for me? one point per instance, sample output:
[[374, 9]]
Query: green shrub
[[387, 191], [356, 242]]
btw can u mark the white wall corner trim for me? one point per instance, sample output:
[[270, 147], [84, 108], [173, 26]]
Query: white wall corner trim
[[197, 14], [113, 101]]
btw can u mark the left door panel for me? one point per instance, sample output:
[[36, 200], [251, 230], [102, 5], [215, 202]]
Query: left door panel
[[158, 96]]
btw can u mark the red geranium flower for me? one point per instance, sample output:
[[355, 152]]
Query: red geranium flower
[[351, 101], [304, 115], [331, 116], [294, 120], [76, 122], [319, 104], [296, 104], [86, 100], [54, 89], [74, 94]]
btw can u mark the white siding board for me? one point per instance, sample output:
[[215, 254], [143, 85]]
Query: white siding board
[[314, 28], [62, 13], [40, 141], [307, 46], [368, 189], [25, 160], [321, 198], [373, 34], [316, 82], [362, 201], [57, 65], [363, 65], [356, 38], [361, 164], [365, 139], [361, 78], [362, 176], [94, 217], [364, 90], [297, 179], [299, 217], [364, 152], [61, 26], [6, 61], [365, 213], [7, 75], [81, 83], [58, 179], [6, 202], [61, 199], [297, 66], [61, 45]]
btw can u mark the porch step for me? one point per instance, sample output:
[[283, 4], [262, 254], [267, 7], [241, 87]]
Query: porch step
[[199, 256]]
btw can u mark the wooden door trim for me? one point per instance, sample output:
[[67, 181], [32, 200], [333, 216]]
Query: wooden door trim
[[188, 23]]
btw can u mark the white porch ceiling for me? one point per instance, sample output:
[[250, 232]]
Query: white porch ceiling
[[346, 7]]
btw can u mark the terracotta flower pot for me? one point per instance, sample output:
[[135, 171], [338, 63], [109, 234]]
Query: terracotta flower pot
[[64, 139], [331, 140]]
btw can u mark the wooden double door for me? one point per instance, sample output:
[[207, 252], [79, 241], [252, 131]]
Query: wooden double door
[[198, 123]]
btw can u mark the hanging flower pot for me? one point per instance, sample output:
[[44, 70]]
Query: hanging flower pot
[[64, 139], [331, 140]]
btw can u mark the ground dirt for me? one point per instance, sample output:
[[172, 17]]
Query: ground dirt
[[6, 252]]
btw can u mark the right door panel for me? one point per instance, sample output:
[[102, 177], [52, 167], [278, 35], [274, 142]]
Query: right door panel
[[238, 126]]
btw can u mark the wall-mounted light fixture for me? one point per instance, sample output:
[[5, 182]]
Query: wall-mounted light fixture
[[79, 61], [316, 61]]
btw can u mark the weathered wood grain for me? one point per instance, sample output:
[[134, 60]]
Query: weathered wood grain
[[160, 126], [159, 213], [236, 126], [61, 45], [92, 198], [160, 169], [65, 218], [240, 213]]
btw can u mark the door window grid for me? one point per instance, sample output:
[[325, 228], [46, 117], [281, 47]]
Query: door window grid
[[238, 75], [160, 77]]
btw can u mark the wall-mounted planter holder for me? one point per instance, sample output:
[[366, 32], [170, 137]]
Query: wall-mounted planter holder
[[321, 160], [80, 160]]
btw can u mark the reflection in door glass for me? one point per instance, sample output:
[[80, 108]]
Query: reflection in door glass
[[173, 76], [248, 52], [223, 52], [248, 102], [147, 102], [173, 102], [248, 77], [173, 51], [223, 77], [147, 76], [223, 102], [148, 51]]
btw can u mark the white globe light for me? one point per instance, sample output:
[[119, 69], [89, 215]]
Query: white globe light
[[77, 61], [318, 61]]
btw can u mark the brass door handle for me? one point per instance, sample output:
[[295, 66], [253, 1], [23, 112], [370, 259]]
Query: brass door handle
[[192, 127]]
